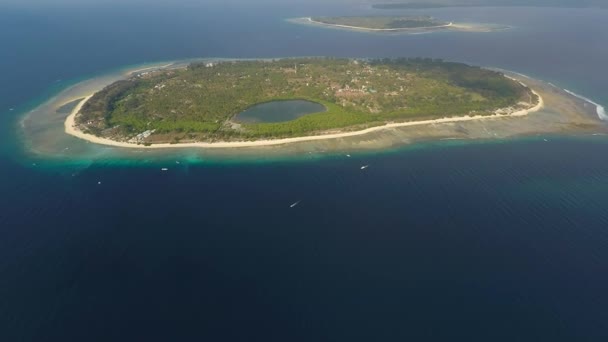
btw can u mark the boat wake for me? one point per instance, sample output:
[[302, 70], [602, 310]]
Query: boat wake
[[601, 111]]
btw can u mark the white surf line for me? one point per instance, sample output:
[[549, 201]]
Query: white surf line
[[519, 74], [505, 72], [600, 110], [373, 29], [72, 129], [149, 68]]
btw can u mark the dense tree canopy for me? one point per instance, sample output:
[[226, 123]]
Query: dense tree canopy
[[200, 102]]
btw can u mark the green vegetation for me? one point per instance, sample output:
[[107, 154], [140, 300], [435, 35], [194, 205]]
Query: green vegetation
[[382, 23], [199, 103]]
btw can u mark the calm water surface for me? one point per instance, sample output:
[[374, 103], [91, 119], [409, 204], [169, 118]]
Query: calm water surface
[[279, 111], [493, 241]]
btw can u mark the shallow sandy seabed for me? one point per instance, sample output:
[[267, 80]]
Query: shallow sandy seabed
[[44, 131]]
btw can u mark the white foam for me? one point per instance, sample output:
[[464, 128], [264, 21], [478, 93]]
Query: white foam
[[601, 111], [520, 74]]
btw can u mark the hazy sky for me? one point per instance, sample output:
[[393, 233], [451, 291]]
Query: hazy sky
[[58, 3], [168, 2]]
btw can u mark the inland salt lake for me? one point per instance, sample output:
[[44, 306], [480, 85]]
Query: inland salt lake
[[279, 111], [501, 240]]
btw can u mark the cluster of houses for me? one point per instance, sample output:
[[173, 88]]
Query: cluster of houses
[[347, 90], [140, 138]]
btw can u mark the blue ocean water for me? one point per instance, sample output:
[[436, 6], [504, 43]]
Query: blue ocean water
[[501, 241]]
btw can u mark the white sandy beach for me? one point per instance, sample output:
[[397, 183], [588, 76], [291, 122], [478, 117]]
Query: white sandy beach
[[72, 129], [451, 26], [379, 30], [154, 67]]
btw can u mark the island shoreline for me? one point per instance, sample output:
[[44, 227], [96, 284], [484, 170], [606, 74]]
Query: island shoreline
[[403, 29], [450, 27], [72, 129]]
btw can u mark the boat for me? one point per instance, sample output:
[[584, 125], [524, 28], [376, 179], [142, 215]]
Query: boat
[[348, 155], [364, 167], [295, 204], [164, 169]]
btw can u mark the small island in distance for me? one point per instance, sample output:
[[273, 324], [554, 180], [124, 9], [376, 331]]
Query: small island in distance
[[306, 98], [395, 24], [416, 5], [382, 23]]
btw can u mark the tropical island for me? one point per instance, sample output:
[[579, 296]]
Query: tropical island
[[412, 5], [279, 101], [395, 24], [382, 23]]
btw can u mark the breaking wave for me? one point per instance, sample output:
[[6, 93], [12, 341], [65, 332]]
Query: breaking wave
[[601, 111]]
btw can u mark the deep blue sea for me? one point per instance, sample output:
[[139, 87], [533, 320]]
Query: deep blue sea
[[454, 241]]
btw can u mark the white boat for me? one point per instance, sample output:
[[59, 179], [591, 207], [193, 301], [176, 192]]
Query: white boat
[[348, 155], [295, 204], [364, 167], [164, 169]]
